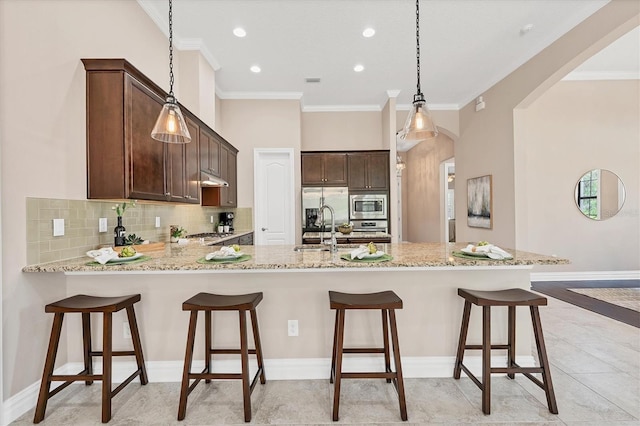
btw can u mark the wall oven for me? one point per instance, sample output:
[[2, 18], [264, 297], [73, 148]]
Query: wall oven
[[367, 206]]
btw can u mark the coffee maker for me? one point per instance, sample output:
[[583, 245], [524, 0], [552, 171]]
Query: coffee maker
[[226, 219]]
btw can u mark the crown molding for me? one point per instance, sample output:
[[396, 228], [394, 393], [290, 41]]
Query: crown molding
[[197, 44], [341, 108], [432, 107], [259, 95]]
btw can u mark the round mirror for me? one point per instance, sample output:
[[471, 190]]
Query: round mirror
[[599, 194]]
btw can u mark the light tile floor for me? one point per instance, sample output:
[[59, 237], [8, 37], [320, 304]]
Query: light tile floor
[[595, 370]]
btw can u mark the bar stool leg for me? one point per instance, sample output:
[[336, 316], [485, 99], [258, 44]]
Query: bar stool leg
[[335, 347], [396, 356], [207, 344], [106, 366], [137, 344], [244, 358], [188, 358], [511, 353], [258, 345], [385, 341], [486, 359], [464, 327], [86, 345], [338, 364], [544, 362], [49, 363]]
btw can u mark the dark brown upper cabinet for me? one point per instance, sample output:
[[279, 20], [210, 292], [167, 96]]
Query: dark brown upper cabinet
[[324, 169], [368, 170]]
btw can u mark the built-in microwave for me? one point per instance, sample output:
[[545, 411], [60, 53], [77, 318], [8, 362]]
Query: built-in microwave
[[367, 206]]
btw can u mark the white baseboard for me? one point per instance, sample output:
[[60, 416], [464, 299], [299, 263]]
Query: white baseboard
[[585, 276], [275, 369]]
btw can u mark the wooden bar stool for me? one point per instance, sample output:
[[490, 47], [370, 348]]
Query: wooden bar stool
[[511, 298], [214, 302], [387, 302], [86, 305]]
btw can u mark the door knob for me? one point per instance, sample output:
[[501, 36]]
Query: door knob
[[265, 229]]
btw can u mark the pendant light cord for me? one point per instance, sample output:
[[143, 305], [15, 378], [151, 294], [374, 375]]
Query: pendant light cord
[[417, 43], [171, 49]]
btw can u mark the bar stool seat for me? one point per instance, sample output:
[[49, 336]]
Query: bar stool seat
[[86, 305], [387, 302], [208, 302], [511, 298]]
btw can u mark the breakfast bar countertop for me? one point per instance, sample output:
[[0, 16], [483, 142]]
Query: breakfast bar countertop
[[185, 257]]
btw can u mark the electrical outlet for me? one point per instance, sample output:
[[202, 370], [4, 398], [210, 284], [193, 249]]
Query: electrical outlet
[[126, 331], [102, 224], [58, 227], [157, 221], [292, 328], [212, 219]]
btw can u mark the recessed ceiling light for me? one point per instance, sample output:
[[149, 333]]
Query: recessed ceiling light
[[524, 30], [239, 32], [358, 68], [255, 69], [368, 32]]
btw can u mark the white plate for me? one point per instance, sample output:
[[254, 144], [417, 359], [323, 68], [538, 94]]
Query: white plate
[[227, 257], [474, 253], [374, 255], [126, 259]]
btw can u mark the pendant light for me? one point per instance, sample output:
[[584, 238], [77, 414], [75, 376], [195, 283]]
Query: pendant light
[[170, 126], [419, 124]]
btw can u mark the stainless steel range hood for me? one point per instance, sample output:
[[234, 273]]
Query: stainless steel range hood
[[207, 179]]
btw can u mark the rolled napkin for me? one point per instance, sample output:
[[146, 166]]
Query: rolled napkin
[[360, 252], [223, 252], [103, 255], [491, 251]]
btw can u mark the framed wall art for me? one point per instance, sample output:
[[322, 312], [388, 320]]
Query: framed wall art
[[479, 202]]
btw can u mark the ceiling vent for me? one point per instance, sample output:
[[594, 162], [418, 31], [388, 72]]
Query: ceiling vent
[[312, 79]]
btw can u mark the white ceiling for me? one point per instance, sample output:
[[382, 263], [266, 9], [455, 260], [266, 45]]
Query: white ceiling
[[466, 46]]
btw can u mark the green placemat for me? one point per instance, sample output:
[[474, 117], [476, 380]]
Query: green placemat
[[383, 258], [468, 256], [119, 262], [242, 258]]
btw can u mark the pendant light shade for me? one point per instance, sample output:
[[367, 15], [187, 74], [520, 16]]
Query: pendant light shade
[[419, 125], [170, 126]]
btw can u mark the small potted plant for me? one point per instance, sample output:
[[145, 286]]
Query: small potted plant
[[177, 233]]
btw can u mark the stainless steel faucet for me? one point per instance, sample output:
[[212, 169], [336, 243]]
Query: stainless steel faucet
[[334, 242]]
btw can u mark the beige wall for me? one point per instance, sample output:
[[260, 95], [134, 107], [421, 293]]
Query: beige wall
[[342, 131], [197, 91], [42, 111], [574, 127], [487, 145]]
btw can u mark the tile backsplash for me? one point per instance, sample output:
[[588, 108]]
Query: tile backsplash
[[81, 224]]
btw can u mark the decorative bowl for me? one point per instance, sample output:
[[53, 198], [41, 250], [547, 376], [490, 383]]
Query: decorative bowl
[[345, 229]]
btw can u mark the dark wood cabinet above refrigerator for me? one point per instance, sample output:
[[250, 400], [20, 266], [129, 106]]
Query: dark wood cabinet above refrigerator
[[359, 170], [324, 169]]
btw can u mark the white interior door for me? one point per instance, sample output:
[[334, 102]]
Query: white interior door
[[273, 203]]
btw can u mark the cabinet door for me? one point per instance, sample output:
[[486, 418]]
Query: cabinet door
[[335, 169], [175, 172], [246, 240], [192, 164], [232, 178], [357, 171], [209, 153], [224, 174], [312, 169], [378, 171], [147, 155]]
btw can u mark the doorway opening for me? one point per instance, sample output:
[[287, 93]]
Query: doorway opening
[[448, 179]]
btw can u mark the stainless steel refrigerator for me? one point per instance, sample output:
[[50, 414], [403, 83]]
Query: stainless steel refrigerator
[[314, 197]]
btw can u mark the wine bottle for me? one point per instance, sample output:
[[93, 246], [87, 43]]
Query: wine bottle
[[118, 233]]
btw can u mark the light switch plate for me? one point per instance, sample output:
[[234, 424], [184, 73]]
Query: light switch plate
[[157, 221], [102, 224], [58, 227]]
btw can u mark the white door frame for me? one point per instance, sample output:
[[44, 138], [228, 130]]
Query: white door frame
[[444, 177], [256, 156]]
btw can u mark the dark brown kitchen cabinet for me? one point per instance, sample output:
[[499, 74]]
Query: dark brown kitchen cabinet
[[224, 196], [324, 169], [123, 161], [368, 170], [210, 152]]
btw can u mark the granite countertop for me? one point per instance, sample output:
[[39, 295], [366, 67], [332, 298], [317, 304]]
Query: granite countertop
[[177, 257], [352, 235]]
